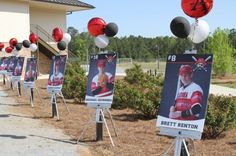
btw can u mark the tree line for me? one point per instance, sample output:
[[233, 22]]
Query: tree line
[[222, 43]]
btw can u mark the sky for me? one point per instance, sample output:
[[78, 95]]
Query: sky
[[149, 18]]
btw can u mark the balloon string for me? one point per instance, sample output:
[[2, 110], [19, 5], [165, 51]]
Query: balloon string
[[194, 28]]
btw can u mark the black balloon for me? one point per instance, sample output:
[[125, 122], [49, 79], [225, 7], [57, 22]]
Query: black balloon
[[111, 29], [18, 46], [26, 43], [180, 27], [61, 45]]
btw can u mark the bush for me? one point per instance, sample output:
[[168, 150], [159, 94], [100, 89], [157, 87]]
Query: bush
[[75, 82], [120, 96], [221, 116], [139, 91], [134, 75]]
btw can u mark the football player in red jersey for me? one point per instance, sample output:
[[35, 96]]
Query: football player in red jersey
[[188, 97]]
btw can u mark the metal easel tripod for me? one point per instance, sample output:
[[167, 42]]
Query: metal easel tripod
[[55, 112], [100, 118]]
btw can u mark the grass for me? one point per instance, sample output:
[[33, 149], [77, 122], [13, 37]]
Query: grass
[[146, 66], [226, 81], [230, 84]]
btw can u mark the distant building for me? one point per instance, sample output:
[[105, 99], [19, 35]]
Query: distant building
[[21, 17]]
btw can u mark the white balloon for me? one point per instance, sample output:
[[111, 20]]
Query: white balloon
[[33, 47], [15, 52], [199, 31], [101, 41], [66, 38]]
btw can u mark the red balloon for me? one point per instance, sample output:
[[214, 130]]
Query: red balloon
[[96, 26], [196, 8], [57, 34], [8, 49], [33, 38], [1, 45], [13, 42]]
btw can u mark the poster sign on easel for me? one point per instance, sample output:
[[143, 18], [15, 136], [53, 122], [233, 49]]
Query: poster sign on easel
[[101, 77], [100, 90], [56, 77], [4, 61], [55, 82], [184, 97], [30, 73], [11, 65], [17, 68]]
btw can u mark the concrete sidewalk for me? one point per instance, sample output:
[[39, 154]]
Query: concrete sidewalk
[[220, 90], [23, 136]]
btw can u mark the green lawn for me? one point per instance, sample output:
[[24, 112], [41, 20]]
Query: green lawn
[[230, 84], [146, 66]]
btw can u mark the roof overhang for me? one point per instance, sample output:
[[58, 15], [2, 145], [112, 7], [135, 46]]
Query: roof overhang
[[59, 6]]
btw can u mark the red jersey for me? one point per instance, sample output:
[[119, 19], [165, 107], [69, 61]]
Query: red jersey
[[187, 97], [17, 71], [56, 79]]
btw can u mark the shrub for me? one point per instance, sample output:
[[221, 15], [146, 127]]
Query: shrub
[[121, 97], [139, 91], [221, 116], [75, 82], [134, 75]]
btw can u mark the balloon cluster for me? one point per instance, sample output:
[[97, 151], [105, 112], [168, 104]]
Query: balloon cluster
[[33, 42], [13, 43], [1, 46], [16, 46], [98, 28], [199, 30], [63, 39]]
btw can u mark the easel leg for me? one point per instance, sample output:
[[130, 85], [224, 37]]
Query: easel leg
[[170, 148], [178, 144], [184, 150], [4, 81], [11, 85], [85, 128], [32, 97], [54, 106], [91, 120], [112, 122], [64, 101], [107, 127], [57, 112], [99, 125], [38, 93], [18, 88]]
